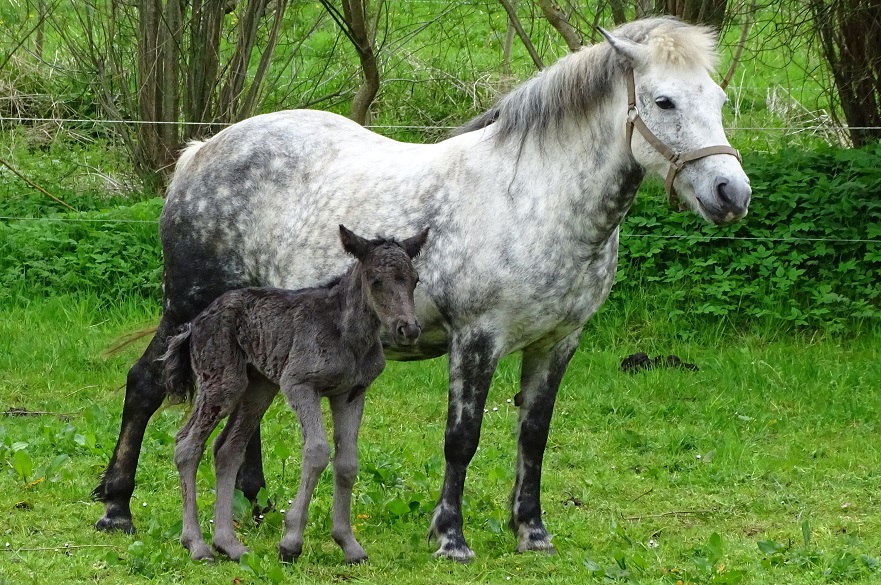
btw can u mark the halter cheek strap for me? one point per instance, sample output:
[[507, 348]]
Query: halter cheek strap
[[677, 159]]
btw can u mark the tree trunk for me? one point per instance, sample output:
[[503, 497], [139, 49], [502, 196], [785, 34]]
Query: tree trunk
[[557, 18], [711, 12], [849, 32], [355, 12]]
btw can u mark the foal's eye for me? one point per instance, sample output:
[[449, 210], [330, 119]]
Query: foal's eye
[[665, 103]]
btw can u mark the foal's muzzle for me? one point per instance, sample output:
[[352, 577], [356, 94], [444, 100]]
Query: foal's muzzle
[[406, 332]]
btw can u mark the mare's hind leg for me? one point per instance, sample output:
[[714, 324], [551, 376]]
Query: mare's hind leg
[[346, 422], [540, 377], [144, 394], [229, 451], [473, 360], [316, 455]]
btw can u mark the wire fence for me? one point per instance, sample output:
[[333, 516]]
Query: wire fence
[[426, 127], [698, 238]]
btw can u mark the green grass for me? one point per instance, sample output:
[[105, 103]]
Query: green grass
[[775, 438]]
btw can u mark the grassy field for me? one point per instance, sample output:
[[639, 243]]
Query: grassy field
[[763, 467]]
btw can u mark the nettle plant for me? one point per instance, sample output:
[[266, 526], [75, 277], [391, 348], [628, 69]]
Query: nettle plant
[[808, 253]]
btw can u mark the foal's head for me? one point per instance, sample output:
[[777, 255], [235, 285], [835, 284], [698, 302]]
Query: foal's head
[[389, 279]]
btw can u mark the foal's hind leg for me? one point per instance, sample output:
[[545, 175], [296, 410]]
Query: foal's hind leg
[[316, 455], [541, 373], [229, 450], [144, 394], [346, 422], [190, 444]]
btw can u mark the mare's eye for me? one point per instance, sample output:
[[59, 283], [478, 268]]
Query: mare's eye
[[665, 103]]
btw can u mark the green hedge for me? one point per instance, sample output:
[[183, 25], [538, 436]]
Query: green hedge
[[113, 252], [800, 257]]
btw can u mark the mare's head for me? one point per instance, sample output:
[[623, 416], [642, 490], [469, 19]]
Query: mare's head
[[389, 279], [682, 106]]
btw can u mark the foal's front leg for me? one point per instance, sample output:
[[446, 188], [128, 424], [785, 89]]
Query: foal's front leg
[[473, 360], [346, 422], [316, 455], [540, 377]]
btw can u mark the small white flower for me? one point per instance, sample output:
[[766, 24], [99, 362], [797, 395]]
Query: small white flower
[[282, 510], [261, 516], [698, 456], [485, 410], [211, 521], [508, 578], [290, 502], [509, 402], [144, 504], [7, 544], [653, 543], [495, 408]]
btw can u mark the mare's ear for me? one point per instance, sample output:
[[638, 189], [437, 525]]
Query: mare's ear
[[353, 243], [633, 52], [413, 245]]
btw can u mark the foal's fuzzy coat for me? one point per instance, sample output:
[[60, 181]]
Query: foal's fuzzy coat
[[312, 343]]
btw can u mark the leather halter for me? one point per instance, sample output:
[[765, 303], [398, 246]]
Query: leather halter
[[677, 159]]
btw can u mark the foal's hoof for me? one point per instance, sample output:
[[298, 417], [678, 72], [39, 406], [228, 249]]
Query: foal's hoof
[[357, 560], [286, 555], [115, 524]]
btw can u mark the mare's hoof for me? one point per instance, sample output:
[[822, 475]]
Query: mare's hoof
[[115, 524], [460, 554], [536, 540], [548, 550]]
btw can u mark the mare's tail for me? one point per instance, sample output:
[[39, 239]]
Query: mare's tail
[[177, 370]]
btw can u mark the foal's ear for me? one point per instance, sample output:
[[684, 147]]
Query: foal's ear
[[633, 52], [413, 245], [353, 243]]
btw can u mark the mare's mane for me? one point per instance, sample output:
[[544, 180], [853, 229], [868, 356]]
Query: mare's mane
[[581, 80]]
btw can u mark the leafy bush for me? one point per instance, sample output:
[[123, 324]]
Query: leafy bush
[[114, 253], [800, 257]]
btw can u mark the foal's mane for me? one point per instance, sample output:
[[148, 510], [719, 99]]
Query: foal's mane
[[579, 81]]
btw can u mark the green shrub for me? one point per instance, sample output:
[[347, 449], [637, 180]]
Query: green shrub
[[799, 257], [114, 253]]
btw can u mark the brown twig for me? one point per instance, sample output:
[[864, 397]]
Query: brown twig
[[672, 513], [26, 412], [59, 548], [650, 490], [34, 185], [127, 340]]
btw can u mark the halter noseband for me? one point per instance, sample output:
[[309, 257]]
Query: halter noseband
[[677, 159]]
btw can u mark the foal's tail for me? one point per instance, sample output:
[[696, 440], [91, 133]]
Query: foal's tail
[[177, 371]]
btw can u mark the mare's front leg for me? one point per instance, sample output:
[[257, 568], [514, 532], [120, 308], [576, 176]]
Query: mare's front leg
[[306, 402], [540, 377], [346, 422], [144, 393], [472, 363]]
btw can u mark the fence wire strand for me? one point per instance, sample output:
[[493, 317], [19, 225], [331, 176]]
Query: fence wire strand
[[701, 238]]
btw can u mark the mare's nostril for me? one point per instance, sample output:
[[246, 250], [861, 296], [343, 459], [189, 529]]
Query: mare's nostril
[[721, 192]]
